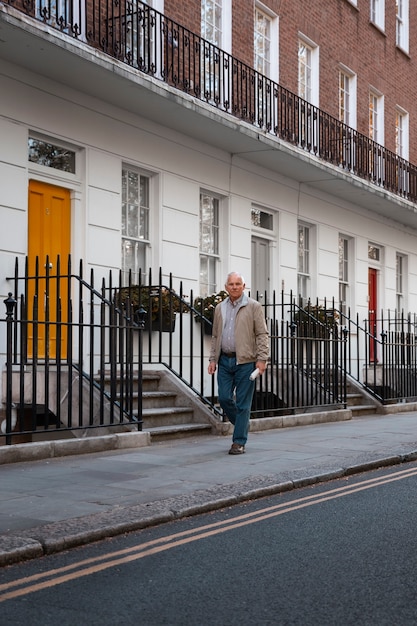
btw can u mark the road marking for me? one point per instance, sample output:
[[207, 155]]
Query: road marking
[[93, 565]]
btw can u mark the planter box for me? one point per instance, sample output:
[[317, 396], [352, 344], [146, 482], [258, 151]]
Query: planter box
[[165, 325]]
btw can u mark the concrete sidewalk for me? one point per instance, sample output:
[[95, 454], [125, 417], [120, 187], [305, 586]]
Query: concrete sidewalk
[[56, 503]]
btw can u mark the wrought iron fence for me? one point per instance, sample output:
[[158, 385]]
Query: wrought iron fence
[[382, 354], [75, 352], [71, 362], [156, 45]]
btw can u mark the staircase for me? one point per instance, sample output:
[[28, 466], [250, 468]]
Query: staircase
[[169, 409], [171, 413], [358, 401]]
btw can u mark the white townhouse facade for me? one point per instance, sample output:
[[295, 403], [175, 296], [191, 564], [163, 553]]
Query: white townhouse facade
[[126, 171]]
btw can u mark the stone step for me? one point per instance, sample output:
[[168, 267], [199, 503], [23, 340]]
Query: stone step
[[156, 399], [150, 381], [168, 416], [160, 433], [353, 399], [363, 409]]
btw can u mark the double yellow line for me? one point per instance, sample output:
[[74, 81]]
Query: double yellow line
[[87, 567]]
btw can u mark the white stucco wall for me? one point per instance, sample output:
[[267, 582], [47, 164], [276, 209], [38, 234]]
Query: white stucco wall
[[106, 138]]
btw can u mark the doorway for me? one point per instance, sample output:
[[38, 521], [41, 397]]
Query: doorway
[[372, 311], [49, 237], [260, 279]]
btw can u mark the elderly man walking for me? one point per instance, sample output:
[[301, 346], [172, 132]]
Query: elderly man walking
[[239, 346]]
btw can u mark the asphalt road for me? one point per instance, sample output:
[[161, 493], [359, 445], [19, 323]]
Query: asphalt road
[[339, 554]]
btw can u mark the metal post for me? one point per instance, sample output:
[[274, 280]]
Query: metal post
[[384, 362], [345, 340], [140, 320], [10, 303]]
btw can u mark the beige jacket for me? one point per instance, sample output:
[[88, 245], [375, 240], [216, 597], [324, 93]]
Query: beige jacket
[[251, 332]]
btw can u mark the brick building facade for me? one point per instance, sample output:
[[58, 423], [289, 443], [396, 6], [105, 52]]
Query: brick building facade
[[346, 39]]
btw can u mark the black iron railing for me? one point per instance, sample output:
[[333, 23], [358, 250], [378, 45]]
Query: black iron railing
[[382, 354], [75, 352], [147, 40], [71, 363]]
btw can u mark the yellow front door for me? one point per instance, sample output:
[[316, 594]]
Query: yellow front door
[[49, 224]]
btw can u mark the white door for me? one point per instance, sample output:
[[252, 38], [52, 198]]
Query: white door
[[260, 268]]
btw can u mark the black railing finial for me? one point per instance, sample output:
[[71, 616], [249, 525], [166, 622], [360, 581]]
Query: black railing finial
[[10, 303]]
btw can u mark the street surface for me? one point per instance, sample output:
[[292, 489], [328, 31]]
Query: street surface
[[339, 554]]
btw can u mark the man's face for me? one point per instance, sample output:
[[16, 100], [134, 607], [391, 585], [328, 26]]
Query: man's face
[[235, 287]]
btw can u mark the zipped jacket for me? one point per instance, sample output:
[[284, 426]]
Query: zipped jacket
[[251, 332]]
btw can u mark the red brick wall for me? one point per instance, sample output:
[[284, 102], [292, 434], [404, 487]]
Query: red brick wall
[[346, 37], [185, 12]]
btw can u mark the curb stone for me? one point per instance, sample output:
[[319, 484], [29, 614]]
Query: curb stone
[[59, 536]]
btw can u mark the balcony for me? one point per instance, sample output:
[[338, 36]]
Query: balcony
[[129, 55]]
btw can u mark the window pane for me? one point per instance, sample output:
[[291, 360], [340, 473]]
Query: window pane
[[262, 43], [211, 21], [343, 259], [304, 71], [399, 129], [209, 219], [303, 249], [209, 242], [399, 274], [344, 99], [261, 219], [373, 117], [134, 221], [49, 155], [373, 252]]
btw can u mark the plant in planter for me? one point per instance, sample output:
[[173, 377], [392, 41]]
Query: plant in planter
[[315, 320], [160, 304], [205, 306]]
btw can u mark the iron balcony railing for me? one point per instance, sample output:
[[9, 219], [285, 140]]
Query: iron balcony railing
[[75, 352], [136, 34]]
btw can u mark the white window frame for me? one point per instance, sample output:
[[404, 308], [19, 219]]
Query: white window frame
[[402, 120], [351, 90], [219, 35], [304, 252], [376, 116], [140, 242], [377, 13], [210, 254], [402, 25], [401, 262], [344, 271], [272, 57], [223, 39], [308, 85]]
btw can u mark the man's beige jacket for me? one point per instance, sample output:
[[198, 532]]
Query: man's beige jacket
[[251, 332]]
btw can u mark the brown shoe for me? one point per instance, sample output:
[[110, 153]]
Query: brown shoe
[[237, 449]]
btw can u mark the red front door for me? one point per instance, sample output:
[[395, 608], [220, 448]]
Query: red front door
[[372, 311]]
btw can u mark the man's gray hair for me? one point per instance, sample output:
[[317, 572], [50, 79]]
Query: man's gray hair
[[234, 274]]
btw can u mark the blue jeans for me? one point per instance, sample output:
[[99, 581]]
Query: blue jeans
[[235, 394]]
